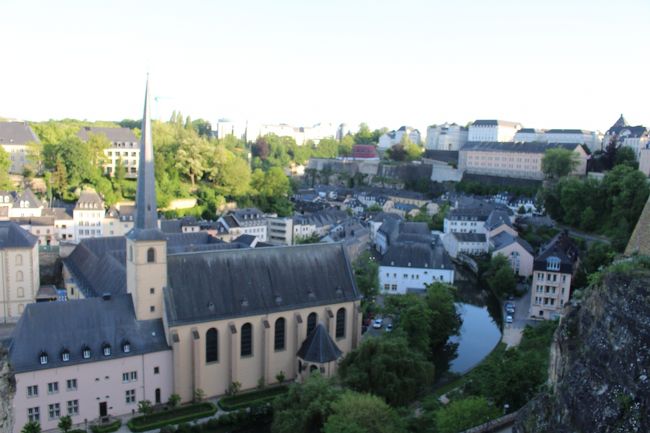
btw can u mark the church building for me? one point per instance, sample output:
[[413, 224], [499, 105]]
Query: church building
[[154, 314]]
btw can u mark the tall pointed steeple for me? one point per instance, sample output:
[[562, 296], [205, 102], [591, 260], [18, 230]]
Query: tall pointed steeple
[[146, 215]]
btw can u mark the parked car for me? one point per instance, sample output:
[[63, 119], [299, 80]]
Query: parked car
[[378, 323], [509, 305], [508, 318], [389, 327], [510, 310]]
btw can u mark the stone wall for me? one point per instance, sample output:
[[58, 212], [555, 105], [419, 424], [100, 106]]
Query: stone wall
[[7, 391]]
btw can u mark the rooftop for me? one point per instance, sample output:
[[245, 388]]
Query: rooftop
[[16, 133]]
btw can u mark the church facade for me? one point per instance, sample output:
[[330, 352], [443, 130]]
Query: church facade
[[157, 314]]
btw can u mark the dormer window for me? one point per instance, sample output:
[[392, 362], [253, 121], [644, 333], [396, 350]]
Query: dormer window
[[106, 348], [65, 355], [43, 358], [85, 352], [126, 347], [553, 264]]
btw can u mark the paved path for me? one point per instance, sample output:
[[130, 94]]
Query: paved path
[[512, 332]]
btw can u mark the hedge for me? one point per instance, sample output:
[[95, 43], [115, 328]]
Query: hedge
[[251, 399], [107, 428], [77, 430], [172, 416]]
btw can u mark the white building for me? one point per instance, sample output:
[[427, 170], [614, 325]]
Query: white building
[[634, 137], [391, 138], [19, 273], [14, 139], [248, 221], [408, 266], [529, 135], [493, 130], [446, 137], [124, 148], [88, 216], [18, 204], [465, 243]]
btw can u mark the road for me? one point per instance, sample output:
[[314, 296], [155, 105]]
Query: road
[[512, 332], [581, 235]]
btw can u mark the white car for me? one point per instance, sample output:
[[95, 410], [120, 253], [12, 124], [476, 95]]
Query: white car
[[508, 318], [378, 323]]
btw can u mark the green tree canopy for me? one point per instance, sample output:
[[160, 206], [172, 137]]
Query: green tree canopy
[[462, 414], [559, 162], [65, 423], [500, 276], [5, 165], [31, 427], [362, 413]]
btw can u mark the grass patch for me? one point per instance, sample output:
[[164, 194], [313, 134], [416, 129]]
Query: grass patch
[[106, 428], [249, 399], [173, 416]]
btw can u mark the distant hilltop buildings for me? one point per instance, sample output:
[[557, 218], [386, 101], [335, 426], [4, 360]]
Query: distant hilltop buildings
[[301, 134]]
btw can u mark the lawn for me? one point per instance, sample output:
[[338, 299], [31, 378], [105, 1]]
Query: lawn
[[172, 416], [254, 398]]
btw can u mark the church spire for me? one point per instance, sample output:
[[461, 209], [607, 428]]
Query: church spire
[[146, 216]]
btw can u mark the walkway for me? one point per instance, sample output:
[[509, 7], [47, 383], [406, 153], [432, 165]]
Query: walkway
[[512, 332]]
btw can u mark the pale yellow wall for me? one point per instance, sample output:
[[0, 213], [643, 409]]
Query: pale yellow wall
[[20, 281], [549, 285], [503, 228], [525, 258], [142, 276], [192, 372]]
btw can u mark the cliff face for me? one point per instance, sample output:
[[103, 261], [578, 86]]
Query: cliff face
[[599, 374], [7, 390]]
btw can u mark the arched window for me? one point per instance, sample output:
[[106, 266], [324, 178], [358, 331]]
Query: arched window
[[312, 319], [19, 259], [20, 292], [280, 326], [151, 255], [340, 323], [19, 276], [212, 345], [553, 263], [246, 348]]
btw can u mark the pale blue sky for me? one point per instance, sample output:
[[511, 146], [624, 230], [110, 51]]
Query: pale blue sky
[[545, 63]]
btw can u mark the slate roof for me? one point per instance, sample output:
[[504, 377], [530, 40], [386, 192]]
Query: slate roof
[[518, 147], [16, 133], [232, 283], [562, 247], [58, 213], [14, 236], [449, 156], [497, 218], [417, 255], [567, 131], [470, 237], [15, 197], [504, 239], [121, 135], [52, 327], [321, 218], [419, 228], [89, 200], [319, 347], [494, 122]]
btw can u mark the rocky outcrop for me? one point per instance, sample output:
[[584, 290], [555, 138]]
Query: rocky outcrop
[[7, 390], [599, 372]]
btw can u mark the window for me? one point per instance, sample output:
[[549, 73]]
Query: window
[[65, 355], [280, 326], [33, 414], [152, 309], [553, 263], [126, 347], [71, 384], [54, 410], [152, 291], [130, 396], [394, 287], [212, 345], [340, 323], [53, 387], [19, 259], [130, 376], [106, 348], [32, 391], [311, 322], [156, 370], [73, 407], [151, 255], [19, 276], [85, 352], [246, 348], [43, 358]]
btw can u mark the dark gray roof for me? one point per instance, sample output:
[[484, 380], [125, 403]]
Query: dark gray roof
[[16, 197], [319, 347], [504, 239], [416, 228], [321, 218], [494, 122], [232, 283], [562, 247], [52, 327], [14, 236], [567, 131], [89, 200], [417, 255], [497, 218], [530, 130], [245, 239], [57, 212], [114, 135], [518, 147], [16, 133], [470, 237], [442, 155]]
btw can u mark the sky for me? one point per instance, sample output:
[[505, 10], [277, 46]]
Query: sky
[[545, 63]]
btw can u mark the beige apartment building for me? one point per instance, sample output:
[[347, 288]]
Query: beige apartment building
[[518, 160], [15, 138], [124, 149], [19, 277]]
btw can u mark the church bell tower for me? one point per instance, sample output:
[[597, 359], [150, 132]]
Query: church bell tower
[[146, 246]]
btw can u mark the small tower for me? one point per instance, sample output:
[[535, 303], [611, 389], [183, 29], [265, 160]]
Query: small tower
[[146, 246]]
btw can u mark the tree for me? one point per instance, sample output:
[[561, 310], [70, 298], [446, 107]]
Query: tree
[[65, 423], [173, 400], [96, 144], [387, 367], [31, 427], [559, 162], [260, 148], [230, 175], [60, 177], [364, 135], [190, 156], [626, 156], [588, 219], [305, 407], [362, 413], [415, 319], [366, 276], [5, 165], [445, 321], [462, 414], [397, 152], [345, 147], [500, 276], [145, 407]]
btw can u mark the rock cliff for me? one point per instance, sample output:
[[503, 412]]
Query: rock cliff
[[7, 390], [599, 372]]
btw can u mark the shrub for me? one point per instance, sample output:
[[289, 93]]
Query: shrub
[[280, 377], [174, 400], [107, 428], [251, 399], [173, 416]]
